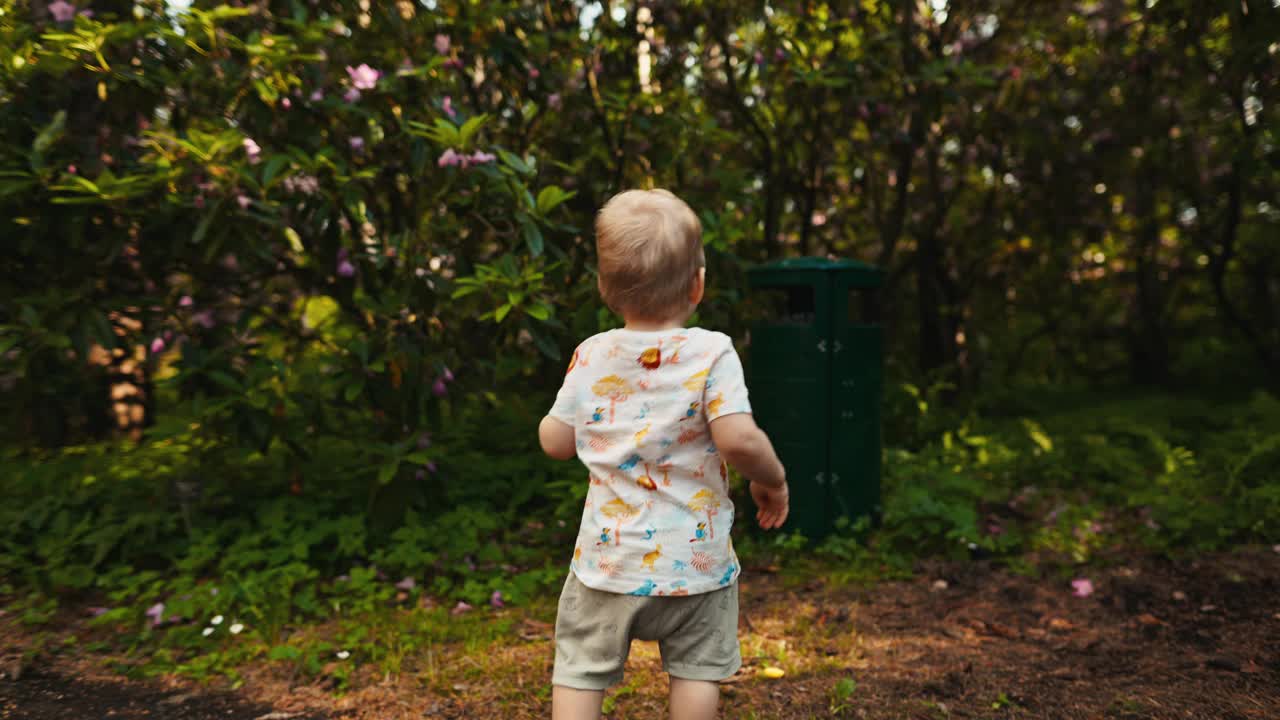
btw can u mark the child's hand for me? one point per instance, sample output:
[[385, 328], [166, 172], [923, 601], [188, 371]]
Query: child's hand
[[772, 504]]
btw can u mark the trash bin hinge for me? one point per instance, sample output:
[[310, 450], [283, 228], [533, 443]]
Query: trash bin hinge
[[820, 478], [822, 346], [846, 414], [837, 347], [834, 478]]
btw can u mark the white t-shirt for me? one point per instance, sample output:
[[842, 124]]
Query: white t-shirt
[[658, 513]]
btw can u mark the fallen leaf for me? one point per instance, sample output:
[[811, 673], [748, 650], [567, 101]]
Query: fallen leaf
[[1060, 625], [773, 673], [1149, 619]]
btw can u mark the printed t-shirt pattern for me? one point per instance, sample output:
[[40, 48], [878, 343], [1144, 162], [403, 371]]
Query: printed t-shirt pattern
[[657, 515]]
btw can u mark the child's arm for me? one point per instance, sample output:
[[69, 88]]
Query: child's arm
[[557, 439], [745, 446]]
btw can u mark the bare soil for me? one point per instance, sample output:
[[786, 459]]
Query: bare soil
[[1197, 638]]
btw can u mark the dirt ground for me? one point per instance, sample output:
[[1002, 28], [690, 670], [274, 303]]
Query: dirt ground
[[1156, 639]]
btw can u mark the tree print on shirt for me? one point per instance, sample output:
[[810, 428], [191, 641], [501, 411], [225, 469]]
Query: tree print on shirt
[[705, 501], [615, 389], [619, 511]]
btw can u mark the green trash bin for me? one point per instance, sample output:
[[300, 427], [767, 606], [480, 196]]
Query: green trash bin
[[815, 373]]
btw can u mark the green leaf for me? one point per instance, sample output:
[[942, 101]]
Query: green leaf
[[50, 133], [295, 240], [226, 381], [272, 168], [353, 391], [550, 197], [501, 313], [388, 472], [514, 162], [532, 237], [538, 311], [469, 128], [203, 228], [420, 457]]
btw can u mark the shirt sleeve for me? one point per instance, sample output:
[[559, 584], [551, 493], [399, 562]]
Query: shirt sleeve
[[565, 408], [726, 389]]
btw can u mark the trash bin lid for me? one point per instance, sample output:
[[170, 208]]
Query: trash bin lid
[[857, 274]]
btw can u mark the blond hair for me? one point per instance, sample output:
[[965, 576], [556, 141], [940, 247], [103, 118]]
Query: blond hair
[[649, 247]]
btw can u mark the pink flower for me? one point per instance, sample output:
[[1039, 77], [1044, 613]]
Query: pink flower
[[1082, 587], [1015, 72], [286, 103], [406, 584], [431, 467], [351, 95], [442, 44], [460, 608], [447, 375], [758, 57], [244, 201], [495, 600], [199, 201], [317, 95], [71, 169], [345, 268], [449, 158], [156, 613], [252, 149], [62, 11], [204, 319], [447, 106], [357, 143], [157, 347], [479, 157], [438, 387], [534, 72], [185, 301], [553, 101], [363, 77]]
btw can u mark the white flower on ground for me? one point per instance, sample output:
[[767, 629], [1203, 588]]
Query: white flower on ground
[[217, 620], [236, 628], [207, 632], [343, 654]]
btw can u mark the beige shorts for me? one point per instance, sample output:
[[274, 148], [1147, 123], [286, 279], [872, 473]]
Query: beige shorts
[[697, 634]]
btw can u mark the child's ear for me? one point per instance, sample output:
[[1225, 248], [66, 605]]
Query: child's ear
[[699, 285]]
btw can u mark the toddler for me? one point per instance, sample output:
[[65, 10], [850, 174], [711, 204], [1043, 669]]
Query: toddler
[[654, 410]]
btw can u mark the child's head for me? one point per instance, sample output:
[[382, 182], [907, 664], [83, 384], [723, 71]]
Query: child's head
[[649, 245]]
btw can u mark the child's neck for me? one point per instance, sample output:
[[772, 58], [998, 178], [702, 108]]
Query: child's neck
[[638, 325]]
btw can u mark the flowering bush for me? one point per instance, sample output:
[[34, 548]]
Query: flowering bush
[[278, 205]]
